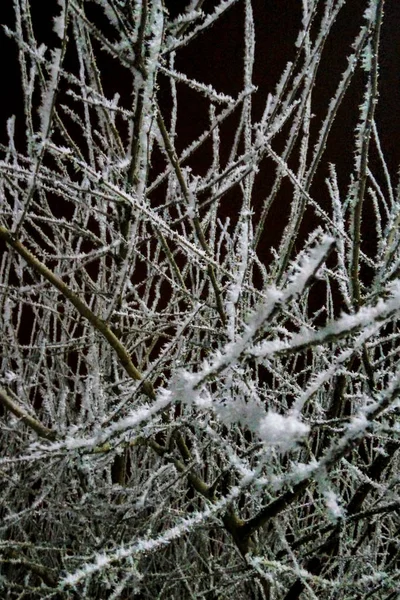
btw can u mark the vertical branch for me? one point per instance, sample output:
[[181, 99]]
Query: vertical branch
[[365, 129]]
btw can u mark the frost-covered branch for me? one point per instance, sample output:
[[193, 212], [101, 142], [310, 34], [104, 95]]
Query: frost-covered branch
[[199, 382]]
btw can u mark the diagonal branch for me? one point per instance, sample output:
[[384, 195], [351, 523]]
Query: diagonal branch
[[99, 324], [41, 430]]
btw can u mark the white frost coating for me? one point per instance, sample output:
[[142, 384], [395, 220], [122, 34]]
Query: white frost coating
[[245, 412], [366, 316], [357, 426], [45, 109], [137, 418], [10, 376], [318, 379], [108, 11], [283, 432], [102, 560], [370, 12], [190, 15], [308, 267], [237, 285], [174, 43], [207, 90], [332, 502], [142, 414], [145, 87], [132, 255], [233, 350], [11, 132], [367, 57], [59, 20]]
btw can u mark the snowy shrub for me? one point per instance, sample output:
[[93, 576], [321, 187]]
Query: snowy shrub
[[198, 397]]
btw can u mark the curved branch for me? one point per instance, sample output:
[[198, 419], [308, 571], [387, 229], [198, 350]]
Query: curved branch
[[41, 430]]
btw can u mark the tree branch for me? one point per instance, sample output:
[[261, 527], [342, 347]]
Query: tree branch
[[99, 324], [41, 430]]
